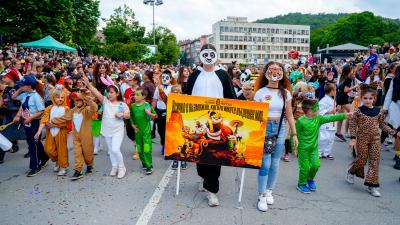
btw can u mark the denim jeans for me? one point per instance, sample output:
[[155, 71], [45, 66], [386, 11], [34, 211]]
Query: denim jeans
[[268, 172]]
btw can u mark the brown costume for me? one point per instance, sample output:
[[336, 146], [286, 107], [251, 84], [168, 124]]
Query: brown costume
[[82, 130], [365, 128], [56, 138]]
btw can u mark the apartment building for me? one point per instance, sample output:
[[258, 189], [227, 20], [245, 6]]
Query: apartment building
[[236, 39]]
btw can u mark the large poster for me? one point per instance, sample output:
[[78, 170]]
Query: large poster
[[215, 131]]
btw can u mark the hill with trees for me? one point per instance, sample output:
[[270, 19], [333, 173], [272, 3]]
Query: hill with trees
[[360, 28]]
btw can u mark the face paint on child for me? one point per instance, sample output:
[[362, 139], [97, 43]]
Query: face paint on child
[[274, 73], [208, 56], [166, 79], [59, 99]]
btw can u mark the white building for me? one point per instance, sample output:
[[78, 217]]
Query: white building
[[236, 39]]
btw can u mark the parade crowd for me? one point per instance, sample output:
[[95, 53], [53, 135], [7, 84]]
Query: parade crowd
[[46, 96]]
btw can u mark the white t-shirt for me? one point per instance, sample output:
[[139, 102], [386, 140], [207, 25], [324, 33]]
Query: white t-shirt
[[208, 85], [111, 125], [160, 103], [273, 97]]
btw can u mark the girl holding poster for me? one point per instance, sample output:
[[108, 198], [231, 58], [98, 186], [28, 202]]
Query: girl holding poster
[[273, 88]]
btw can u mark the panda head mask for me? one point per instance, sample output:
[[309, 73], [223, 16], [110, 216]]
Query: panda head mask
[[165, 79], [208, 55]]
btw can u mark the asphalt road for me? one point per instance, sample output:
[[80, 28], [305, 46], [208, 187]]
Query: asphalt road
[[137, 199]]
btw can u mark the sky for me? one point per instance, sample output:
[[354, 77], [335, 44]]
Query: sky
[[189, 19]]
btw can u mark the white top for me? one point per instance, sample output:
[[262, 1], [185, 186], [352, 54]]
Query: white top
[[326, 104], [160, 103], [273, 97], [208, 85], [111, 125], [368, 80], [393, 108], [56, 111]]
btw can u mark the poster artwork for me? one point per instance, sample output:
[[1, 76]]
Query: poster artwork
[[215, 131]]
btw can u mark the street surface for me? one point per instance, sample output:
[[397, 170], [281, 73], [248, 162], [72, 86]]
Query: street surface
[[137, 199]]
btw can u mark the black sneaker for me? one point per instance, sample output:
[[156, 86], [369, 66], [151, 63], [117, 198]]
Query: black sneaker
[[34, 172], [43, 164], [26, 155], [340, 137], [14, 149], [183, 165], [2, 153], [89, 169], [77, 175], [395, 158], [175, 165], [330, 157], [397, 165], [149, 171]]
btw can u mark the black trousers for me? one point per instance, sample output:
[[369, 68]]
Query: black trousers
[[36, 149], [210, 174], [161, 124]]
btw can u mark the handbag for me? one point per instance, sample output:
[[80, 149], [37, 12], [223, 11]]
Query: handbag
[[270, 141]]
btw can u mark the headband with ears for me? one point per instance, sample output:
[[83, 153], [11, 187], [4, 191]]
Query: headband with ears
[[116, 87]]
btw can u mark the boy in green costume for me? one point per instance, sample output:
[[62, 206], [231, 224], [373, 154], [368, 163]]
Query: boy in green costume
[[307, 127], [141, 114]]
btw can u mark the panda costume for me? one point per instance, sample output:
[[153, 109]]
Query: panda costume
[[210, 81]]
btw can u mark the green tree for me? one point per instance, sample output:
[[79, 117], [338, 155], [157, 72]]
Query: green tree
[[122, 27], [167, 46], [131, 51], [86, 13], [24, 20]]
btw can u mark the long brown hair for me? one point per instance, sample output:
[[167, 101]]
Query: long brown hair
[[181, 78], [262, 80], [381, 75]]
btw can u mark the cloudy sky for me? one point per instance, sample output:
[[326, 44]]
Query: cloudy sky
[[192, 18]]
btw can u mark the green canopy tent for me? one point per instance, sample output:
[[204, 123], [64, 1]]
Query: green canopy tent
[[50, 43]]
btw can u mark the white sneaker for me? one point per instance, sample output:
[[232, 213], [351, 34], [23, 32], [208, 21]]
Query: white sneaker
[[201, 188], [350, 178], [374, 191], [121, 172], [262, 202], [270, 198], [114, 171], [212, 199], [56, 168], [96, 151], [62, 172]]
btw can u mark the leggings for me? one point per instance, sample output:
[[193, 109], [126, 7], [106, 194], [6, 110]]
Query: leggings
[[114, 148]]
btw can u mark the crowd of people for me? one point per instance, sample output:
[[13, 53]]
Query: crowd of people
[[93, 98]]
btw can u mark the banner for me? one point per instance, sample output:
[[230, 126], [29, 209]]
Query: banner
[[215, 131]]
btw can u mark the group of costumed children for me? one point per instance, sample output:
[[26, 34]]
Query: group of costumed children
[[90, 122], [316, 129]]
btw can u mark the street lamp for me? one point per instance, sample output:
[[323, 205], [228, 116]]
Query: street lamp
[[153, 3]]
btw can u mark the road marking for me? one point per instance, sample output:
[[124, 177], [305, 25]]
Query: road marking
[[155, 198]]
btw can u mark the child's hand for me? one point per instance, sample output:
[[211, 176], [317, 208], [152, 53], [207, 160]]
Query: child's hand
[[295, 142], [37, 135], [135, 128], [148, 112], [119, 115], [50, 124], [27, 120], [352, 144], [154, 116], [349, 115]]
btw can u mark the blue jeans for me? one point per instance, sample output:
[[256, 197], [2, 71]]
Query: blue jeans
[[268, 172]]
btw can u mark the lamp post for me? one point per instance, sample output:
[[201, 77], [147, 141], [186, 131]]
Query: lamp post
[[153, 3]]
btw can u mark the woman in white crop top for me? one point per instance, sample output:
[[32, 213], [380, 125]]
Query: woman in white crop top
[[272, 87]]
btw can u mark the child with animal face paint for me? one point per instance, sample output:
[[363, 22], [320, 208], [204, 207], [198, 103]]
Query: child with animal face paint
[[160, 104], [56, 138], [141, 114], [307, 128]]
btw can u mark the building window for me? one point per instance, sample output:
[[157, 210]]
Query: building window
[[221, 47], [221, 29], [254, 30], [221, 55], [263, 30], [235, 38], [221, 38], [230, 29], [235, 29], [268, 30], [240, 38], [245, 56]]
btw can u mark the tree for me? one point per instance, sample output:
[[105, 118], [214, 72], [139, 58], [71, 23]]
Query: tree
[[131, 51], [86, 13], [167, 46], [24, 20], [122, 27]]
